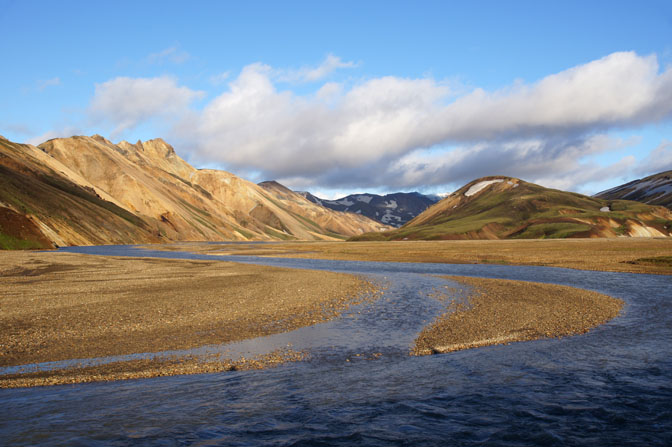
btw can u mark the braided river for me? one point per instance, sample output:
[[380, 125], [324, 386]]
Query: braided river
[[360, 386]]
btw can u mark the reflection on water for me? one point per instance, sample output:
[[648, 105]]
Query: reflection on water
[[610, 386]]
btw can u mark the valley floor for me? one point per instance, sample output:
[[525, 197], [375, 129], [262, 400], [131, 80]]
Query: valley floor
[[634, 255], [58, 306]]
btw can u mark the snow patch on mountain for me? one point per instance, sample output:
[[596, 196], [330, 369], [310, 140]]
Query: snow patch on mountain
[[344, 202], [389, 217], [480, 186]]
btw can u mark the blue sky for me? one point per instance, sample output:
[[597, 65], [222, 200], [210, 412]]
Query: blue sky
[[354, 96]]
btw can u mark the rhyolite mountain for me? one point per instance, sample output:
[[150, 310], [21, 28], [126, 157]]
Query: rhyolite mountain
[[88, 190], [655, 190], [504, 207], [390, 209]]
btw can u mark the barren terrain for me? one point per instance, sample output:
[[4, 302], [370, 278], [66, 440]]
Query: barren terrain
[[503, 311], [58, 306], [635, 255]]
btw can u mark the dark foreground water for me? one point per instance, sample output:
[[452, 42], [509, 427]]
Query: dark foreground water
[[612, 386]]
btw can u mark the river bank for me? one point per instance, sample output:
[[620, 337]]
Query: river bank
[[504, 311], [59, 306]]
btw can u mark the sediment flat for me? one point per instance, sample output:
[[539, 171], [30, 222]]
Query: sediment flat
[[59, 306], [633, 255], [502, 311]]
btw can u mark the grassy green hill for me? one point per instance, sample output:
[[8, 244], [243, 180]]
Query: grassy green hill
[[504, 207]]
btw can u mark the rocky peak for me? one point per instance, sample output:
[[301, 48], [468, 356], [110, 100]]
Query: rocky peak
[[100, 139], [156, 148]]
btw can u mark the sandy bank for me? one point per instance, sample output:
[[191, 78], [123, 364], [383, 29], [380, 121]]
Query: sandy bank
[[503, 311], [58, 306]]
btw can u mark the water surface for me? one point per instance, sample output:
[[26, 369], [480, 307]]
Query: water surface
[[612, 386]]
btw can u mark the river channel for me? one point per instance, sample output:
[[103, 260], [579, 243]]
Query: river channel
[[611, 386]]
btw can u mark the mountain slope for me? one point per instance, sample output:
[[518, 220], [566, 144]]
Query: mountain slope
[[183, 203], [391, 209], [504, 207], [144, 192], [654, 190], [318, 216], [41, 206]]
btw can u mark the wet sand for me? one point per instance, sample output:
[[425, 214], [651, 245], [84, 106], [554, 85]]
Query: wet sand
[[148, 368], [504, 311], [59, 306], [634, 255]]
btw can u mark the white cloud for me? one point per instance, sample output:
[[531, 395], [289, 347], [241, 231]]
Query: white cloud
[[172, 54], [618, 90], [311, 74], [43, 84], [253, 125], [127, 102], [405, 133]]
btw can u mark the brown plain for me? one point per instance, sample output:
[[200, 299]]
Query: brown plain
[[59, 306], [601, 254]]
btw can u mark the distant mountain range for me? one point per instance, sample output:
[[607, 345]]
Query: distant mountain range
[[88, 190], [505, 208], [391, 209], [654, 190]]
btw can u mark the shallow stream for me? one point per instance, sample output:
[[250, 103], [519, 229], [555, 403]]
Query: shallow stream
[[610, 386]]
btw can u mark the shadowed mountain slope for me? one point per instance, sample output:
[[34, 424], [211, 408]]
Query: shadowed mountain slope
[[654, 190], [503, 207], [158, 195]]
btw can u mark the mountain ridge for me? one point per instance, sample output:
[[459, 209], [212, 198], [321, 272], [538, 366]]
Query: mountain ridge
[[500, 207], [393, 209], [161, 195], [655, 189]]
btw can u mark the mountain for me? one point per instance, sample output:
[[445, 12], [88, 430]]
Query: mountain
[[44, 204], [391, 209], [654, 190], [504, 207], [144, 192]]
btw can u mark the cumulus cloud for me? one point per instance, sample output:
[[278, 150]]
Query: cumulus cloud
[[376, 131], [621, 89], [558, 164], [405, 133], [127, 102]]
